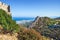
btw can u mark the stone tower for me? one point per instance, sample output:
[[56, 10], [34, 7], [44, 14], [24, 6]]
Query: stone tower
[[5, 7]]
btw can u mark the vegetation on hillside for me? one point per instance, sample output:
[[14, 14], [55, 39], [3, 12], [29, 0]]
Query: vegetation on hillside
[[7, 25], [48, 27], [29, 34]]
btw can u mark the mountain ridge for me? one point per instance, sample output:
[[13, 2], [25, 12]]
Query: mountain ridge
[[47, 27]]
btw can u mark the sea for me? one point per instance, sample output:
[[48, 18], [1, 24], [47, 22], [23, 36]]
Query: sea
[[25, 19], [20, 20]]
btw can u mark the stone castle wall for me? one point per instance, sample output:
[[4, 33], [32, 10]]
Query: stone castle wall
[[5, 7]]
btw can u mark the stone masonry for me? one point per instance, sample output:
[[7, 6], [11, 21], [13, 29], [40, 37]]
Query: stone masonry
[[5, 7]]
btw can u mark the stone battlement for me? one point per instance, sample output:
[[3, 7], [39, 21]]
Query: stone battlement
[[5, 7]]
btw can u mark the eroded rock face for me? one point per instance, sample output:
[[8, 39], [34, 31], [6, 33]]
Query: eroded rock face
[[40, 22], [34, 22], [8, 37]]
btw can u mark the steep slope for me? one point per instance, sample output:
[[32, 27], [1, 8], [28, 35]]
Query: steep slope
[[6, 22], [47, 27], [29, 34], [42, 21], [7, 25]]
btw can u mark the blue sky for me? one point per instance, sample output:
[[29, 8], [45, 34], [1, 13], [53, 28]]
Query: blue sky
[[33, 8]]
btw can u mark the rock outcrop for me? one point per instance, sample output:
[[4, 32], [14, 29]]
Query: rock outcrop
[[8, 37], [39, 21]]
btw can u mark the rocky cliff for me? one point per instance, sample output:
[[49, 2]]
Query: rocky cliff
[[47, 27]]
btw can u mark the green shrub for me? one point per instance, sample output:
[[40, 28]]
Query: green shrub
[[7, 23]]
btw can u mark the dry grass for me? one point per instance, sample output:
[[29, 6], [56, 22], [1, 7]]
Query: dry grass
[[7, 37]]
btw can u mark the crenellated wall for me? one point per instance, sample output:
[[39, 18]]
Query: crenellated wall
[[5, 7]]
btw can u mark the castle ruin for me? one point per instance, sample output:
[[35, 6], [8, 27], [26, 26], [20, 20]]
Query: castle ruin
[[5, 7]]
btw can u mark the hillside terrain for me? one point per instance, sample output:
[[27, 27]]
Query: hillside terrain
[[8, 37], [8, 28], [42, 28], [57, 18], [7, 23], [47, 27]]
